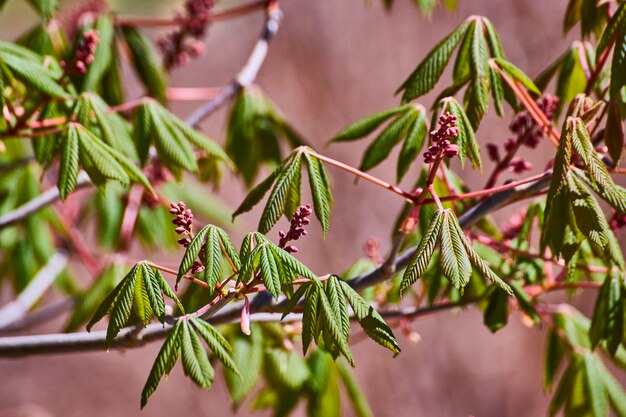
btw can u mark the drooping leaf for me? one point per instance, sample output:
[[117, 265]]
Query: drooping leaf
[[320, 190], [364, 127], [370, 320], [421, 259], [146, 62]]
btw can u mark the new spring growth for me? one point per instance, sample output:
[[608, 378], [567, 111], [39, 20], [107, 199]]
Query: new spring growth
[[527, 133], [176, 47], [440, 138], [84, 54], [296, 229], [184, 223]]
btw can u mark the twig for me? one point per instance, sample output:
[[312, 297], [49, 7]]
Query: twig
[[44, 199], [248, 73], [245, 77], [215, 17], [18, 308]]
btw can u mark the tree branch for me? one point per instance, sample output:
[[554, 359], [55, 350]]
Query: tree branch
[[262, 303], [244, 78], [44, 199], [248, 73]]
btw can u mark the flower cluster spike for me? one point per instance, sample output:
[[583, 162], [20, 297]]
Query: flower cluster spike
[[296, 229], [618, 221], [183, 222], [527, 133], [177, 48], [440, 138], [84, 54]]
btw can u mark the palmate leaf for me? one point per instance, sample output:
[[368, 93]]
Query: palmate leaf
[[164, 362], [255, 128], [248, 355], [454, 262], [275, 205], [334, 318], [421, 259], [612, 29], [608, 315], [45, 8], [381, 147], [68, 170], [29, 68], [517, 75], [146, 62], [553, 357], [477, 94], [466, 138], [581, 143], [310, 315], [364, 127], [140, 290], [173, 139], [618, 65], [614, 133], [217, 245], [369, 319], [97, 158], [184, 341], [428, 72], [409, 123], [286, 191], [103, 55], [320, 190]]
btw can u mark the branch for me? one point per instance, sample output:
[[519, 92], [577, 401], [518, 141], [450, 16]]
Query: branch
[[248, 73], [227, 14], [17, 309], [262, 303], [45, 199]]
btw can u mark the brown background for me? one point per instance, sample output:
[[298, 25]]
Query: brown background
[[332, 63]]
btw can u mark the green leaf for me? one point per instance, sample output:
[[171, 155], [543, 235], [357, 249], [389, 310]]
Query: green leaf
[[68, 170], [45, 8], [421, 259], [191, 254], [287, 368], [98, 155], [320, 191], [581, 142], [275, 205], [364, 127], [477, 93], [614, 132], [196, 364], [212, 258], [466, 138], [269, 271], [455, 264], [355, 394], [333, 319], [517, 74], [248, 357], [588, 214], [146, 62], [291, 263], [608, 315], [497, 311], [164, 362], [412, 145], [525, 302], [337, 302], [310, 315], [428, 72], [381, 147], [103, 55], [617, 396], [618, 67], [216, 342], [565, 387], [612, 29], [372, 323], [594, 387], [256, 194], [554, 352]]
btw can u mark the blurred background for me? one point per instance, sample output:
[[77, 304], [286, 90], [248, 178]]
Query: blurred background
[[332, 63]]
